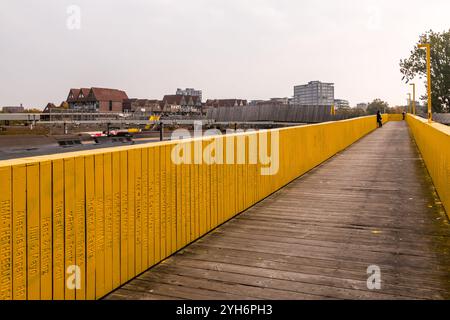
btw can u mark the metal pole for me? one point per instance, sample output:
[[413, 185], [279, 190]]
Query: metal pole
[[414, 98], [409, 103], [161, 131], [428, 48]]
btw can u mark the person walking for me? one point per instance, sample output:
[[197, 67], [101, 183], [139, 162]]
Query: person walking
[[379, 119]]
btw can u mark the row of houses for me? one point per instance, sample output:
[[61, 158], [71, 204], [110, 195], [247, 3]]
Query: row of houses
[[113, 100]]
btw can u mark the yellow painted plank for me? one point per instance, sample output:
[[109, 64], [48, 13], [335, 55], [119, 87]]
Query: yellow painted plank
[[183, 204], [144, 214], [124, 217], [58, 230], [33, 233], [69, 224], [187, 194], [108, 205], [116, 218], [46, 230], [179, 206], [157, 204], [89, 171], [173, 193], [131, 216], [163, 202], [207, 184], [99, 228], [168, 198], [214, 196], [219, 166], [6, 257], [195, 194], [80, 226], [201, 208], [19, 205], [151, 206], [138, 209]]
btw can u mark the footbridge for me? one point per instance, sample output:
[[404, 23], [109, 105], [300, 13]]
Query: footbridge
[[338, 210]]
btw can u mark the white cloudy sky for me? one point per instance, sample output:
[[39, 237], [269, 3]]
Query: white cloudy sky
[[253, 49]]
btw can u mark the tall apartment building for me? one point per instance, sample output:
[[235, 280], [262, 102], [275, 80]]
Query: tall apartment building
[[340, 103], [315, 93], [190, 92]]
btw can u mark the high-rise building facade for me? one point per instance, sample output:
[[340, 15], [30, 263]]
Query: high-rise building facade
[[315, 93], [340, 103], [190, 92]]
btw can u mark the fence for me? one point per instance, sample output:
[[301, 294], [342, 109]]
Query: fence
[[433, 140], [276, 113], [78, 225]]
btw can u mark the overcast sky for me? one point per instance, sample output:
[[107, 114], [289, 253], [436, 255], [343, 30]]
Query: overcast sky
[[252, 49]]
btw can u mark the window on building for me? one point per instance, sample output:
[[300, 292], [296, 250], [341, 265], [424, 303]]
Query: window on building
[[110, 105]]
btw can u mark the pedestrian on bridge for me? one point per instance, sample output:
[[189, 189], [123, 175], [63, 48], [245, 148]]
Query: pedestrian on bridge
[[379, 119]]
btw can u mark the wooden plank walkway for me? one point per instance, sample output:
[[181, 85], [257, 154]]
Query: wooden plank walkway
[[373, 204]]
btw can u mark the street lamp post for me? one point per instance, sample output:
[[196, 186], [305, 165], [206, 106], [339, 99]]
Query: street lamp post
[[414, 97], [409, 102], [428, 48]]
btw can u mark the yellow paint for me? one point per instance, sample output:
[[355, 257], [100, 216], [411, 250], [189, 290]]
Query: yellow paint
[[151, 207], [46, 261], [33, 234], [19, 187], [6, 227], [433, 140], [80, 226], [116, 219], [395, 117], [131, 215], [157, 204], [108, 214], [58, 230], [99, 227], [144, 210], [124, 238], [117, 211], [90, 226], [69, 223], [138, 210]]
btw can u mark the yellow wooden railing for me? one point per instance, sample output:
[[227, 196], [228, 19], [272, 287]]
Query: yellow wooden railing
[[78, 225], [433, 140]]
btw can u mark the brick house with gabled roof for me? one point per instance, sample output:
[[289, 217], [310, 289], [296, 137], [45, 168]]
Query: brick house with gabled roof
[[97, 99], [183, 103], [217, 103]]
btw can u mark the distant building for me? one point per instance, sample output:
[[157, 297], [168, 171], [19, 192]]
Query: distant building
[[190, 92], [339, 103], [10, 109], [279, 100], [141, 105], [256, 102], [217, 103], [181, 103], [96, 99], [272, 101], [362, 106], [315, 93]]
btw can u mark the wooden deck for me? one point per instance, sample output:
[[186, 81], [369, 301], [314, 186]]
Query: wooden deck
[[373, 204]]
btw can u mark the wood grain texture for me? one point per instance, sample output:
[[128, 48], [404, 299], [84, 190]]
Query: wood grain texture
[[372, 204]]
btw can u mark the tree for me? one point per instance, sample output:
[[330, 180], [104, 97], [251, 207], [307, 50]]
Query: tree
[[377, 105], [415, 66]]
